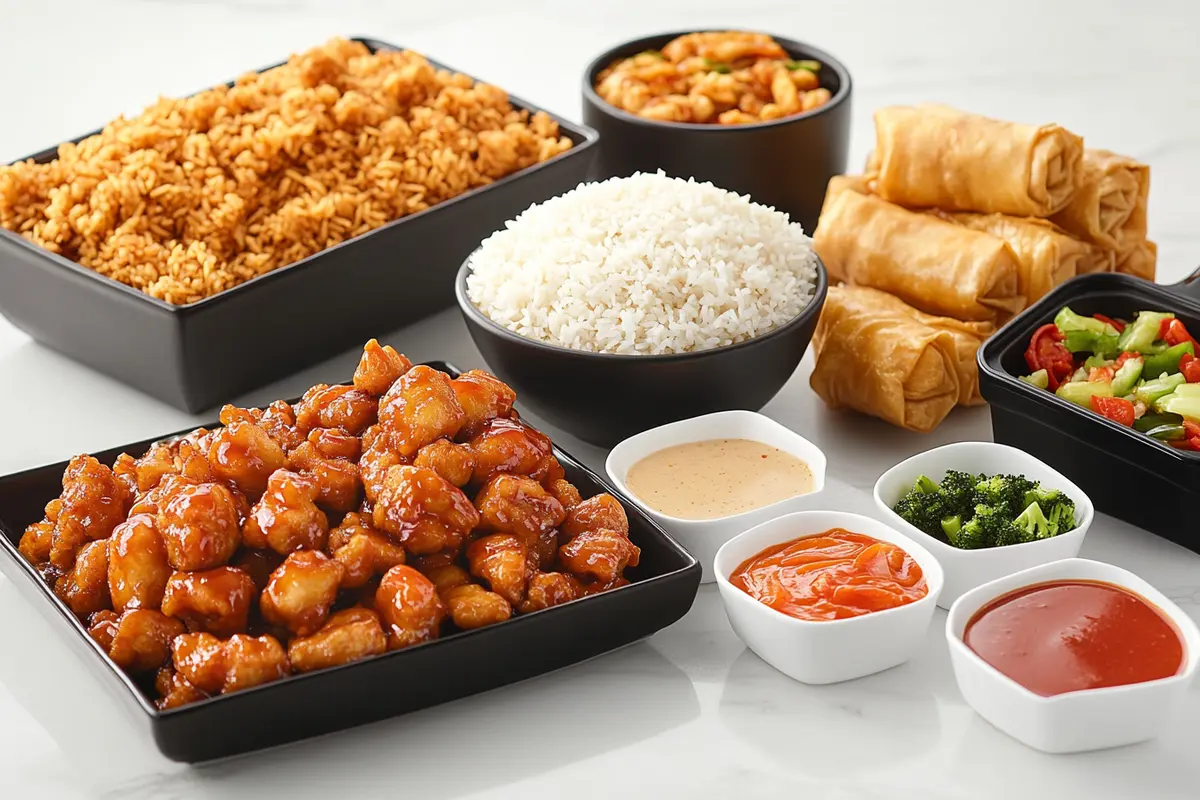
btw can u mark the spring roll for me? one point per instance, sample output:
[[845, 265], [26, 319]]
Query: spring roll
[[937, 266], [1098, 259], [889, 366], [937, 157], [1046, 256], [1109, 206], [1141, 261]]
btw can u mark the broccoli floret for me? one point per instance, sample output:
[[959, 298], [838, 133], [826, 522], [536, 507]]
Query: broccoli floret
[[925, 485], [923, 507], [1005, 492], [958, 491], [1058, 509], [1062, 517], [951, 526], [988, 526], [1034, 523]]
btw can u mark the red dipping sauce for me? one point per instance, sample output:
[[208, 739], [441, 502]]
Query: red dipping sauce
[[1071, 635]]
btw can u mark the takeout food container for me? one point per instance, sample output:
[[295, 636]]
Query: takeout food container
[[704, 537], [299, 706], [605, 397], [826, 651], [966, 569], [199, 355], [1130, 475], [1073, 722], [784, 163]]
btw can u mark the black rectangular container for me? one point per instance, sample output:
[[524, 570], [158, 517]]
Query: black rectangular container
[[204, 353], [1126, 473], [662, 589]]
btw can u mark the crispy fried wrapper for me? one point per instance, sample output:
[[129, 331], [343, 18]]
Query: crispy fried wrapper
[[932, 156], [887, 365], [1141, 261], [934, 265], [1109, 206]]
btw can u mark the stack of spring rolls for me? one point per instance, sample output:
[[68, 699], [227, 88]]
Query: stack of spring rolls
[[959, 223]]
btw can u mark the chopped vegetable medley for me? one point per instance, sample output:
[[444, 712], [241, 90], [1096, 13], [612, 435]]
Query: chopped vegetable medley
[[1143, 374], [974, 511]]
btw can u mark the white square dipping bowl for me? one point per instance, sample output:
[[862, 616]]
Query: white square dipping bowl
[[826, 651], [703, 537], [966, 569], [1092, 719]]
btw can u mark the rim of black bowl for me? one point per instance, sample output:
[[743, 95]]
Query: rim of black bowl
[[790, 45], [820, 288]]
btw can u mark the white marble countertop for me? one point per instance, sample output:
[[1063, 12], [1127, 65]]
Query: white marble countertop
[[690, 712]]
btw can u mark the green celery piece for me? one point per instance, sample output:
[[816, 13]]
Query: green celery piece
[[1067, 320], [1127, 376], [1081, 392], [1093, 362], [1148, 422], [1186, 405], [1148, 392], [1168, 360], [1101, 344], [1140, 334], [1040, 379]]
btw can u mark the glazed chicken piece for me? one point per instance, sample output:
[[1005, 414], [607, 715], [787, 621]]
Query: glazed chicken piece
[[287, 518], [213, 666], [335, 443], [409, 606], [565, 493], [602, 512], [137, 564], [446, 576], [379, 368], [500, 560], [200, 525], [277, 419], [36, 542], [301, 591], [509, 445], [521, 506], [482, 397], [599, 554], [472, 606], [93, 502], [156, 464], [597, 587], [345, 407], [85, 588], [422, 510], [548, 589], [142, 639], [216, 600], [258, 564], [337, 479], [102, 626], [453, 462], [124, 469], [174, 690], [366, 552], [245, 455], [374, 464], [723, 47], [420, 408], [347, 636]]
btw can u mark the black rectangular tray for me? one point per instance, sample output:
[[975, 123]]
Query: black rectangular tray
[[199, 355], [661, 591], [1127, 474]]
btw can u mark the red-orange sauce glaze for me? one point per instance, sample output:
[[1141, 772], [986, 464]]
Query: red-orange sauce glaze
[[833, 575], [1064, 636]]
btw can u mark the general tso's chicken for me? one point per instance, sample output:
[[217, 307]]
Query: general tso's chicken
[[509, 445], [151, 468], [347, 636], [379, 368], [335, 443], [723, 47], [258, 564], [422, 510], [482, 397], [601, 512], [142, 639], [548, 589], [124, 469], [85, 588], [565, 493], [409, 605], [518, 505], [446, 576], [277, 419], [598, 587], [36, 542], [214, 666], [199, 524], [215, 600], [301, 591], [245, 455], [137, 564], [366, 553], [337, 479], [102, 626], [599, 554], [500, 560], [191, 456], [287, 517], [420, 408], [174, 690], [472, 606], [93, 502], [453, 462], [343, 407]]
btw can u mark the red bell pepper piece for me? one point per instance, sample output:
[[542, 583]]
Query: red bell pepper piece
[[1047, 351], [1101, 374], [1174, 332], [1120, 326], [1189, 365], [1118, 409]]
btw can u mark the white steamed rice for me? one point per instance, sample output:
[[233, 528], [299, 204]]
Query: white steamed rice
[[644, 265]]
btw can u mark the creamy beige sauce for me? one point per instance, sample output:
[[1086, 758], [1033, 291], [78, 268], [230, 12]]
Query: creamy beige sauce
[[717, 478]]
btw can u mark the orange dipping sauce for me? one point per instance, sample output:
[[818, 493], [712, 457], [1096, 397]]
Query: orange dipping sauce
[[1066, 636], [832, 575]]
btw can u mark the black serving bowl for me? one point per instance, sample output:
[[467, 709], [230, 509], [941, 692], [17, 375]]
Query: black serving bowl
[[661, 591], [604, 398], [784, 163], [1128, 474], [198, 355]]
